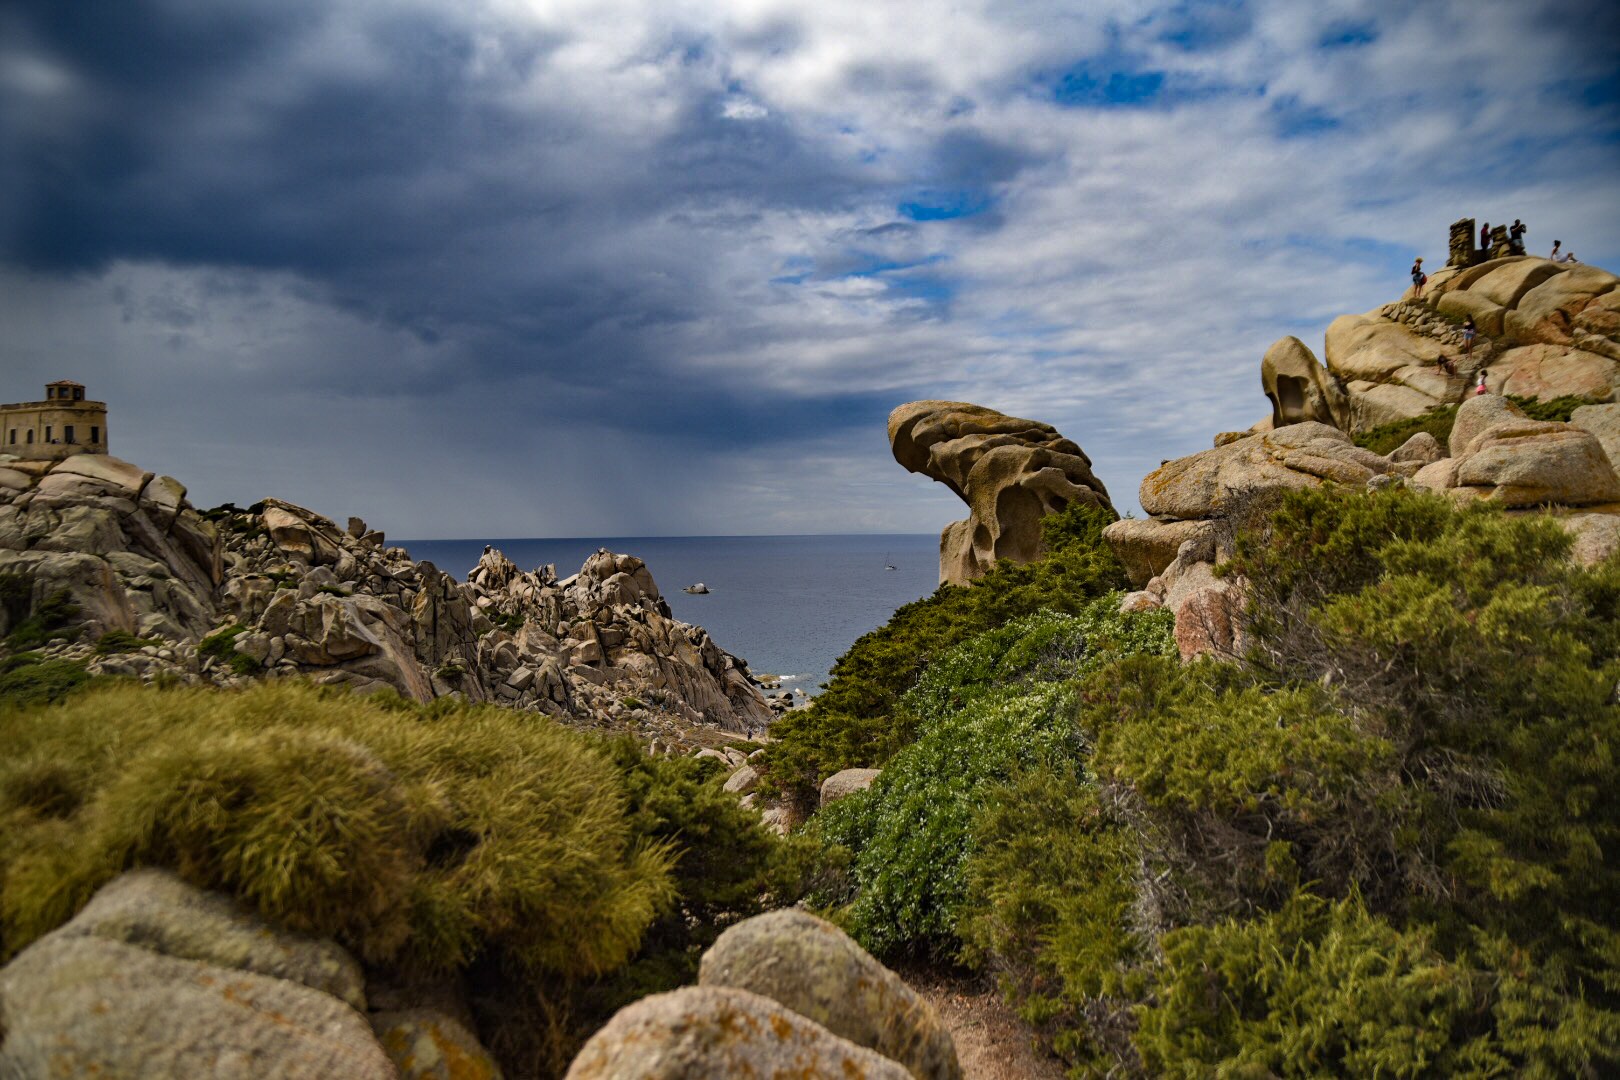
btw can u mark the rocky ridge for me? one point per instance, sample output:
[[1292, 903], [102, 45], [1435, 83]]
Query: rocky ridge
[[1545, 330], [278, 591]]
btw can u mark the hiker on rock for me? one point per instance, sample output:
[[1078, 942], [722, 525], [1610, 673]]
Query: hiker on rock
[[1419, 278], [1516, 237], [1469, 332], [1485, 237]]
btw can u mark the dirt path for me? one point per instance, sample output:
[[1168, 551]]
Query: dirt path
[[991, 1041]]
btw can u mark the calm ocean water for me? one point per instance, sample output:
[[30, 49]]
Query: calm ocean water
[[789, 605]]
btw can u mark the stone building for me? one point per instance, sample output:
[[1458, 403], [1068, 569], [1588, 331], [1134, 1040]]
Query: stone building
[[62, 425]]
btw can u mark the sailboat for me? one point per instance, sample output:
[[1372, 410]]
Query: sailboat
[[887, 565]]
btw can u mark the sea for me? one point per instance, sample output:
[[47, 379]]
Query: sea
[[789, 605]]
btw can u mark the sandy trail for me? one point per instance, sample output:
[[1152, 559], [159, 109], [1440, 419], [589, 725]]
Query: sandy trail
[[991, 1041]]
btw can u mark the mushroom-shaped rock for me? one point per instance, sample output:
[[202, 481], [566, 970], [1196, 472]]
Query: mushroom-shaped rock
[[812, 967], [705, 1032], [1300, 388], [1011, 472]]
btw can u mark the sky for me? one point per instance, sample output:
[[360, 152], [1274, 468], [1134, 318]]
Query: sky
[[491, 268]]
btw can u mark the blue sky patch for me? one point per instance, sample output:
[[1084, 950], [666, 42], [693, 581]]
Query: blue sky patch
[[944, 205], [1084, 84], [1347, 35]]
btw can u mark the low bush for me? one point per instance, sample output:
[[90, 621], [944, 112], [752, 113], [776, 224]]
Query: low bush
[[122, 641], [1386, 437], [855, 721], [27, 678], [995, 706], [34, 626], [221, 646], [563, 873], [1385, 843]]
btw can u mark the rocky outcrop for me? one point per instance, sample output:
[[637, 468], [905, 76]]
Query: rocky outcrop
[[812, 967], [279, 591], [1011, 473], [154, 978], [1299, 388], [847, 782], [1499, 455], [703, 1032], [122, 543], [781, 994], [1545, 330]]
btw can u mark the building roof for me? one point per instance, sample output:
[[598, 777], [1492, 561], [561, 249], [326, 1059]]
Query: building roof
[[66, 382]]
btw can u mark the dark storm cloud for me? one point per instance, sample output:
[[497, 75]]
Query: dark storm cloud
[[423, 189]]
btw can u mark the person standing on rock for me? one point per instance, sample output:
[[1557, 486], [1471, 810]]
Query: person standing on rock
[[1516, 236], [1470, 331], [1479, 387], [1485, 238], [1419, 278]]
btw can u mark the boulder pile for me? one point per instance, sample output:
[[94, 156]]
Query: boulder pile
[[157, 978], [1544, 330], [781, 994], [279, 591], [1011, 473]]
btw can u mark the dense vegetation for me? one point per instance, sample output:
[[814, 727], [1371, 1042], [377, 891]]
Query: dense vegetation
[[568, 873], [1439, 421], [1385, 842], [859, 719]]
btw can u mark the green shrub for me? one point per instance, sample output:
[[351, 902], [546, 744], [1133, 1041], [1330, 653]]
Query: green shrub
[[122, 641], [855, 720], [562, 875], [221, 646], [1558, 409], [994, 706], [418, 838], [1385, 843], [1386, 437], [27, 678], [51, 618]]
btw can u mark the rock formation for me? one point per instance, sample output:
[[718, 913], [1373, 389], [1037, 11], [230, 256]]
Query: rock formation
[[781, 994], [818, 971], [277, 591], [1545, 330], [154, 978], [1010, 472]]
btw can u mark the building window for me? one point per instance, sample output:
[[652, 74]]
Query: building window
[[78, 395], [30, 437], [48, 433], [13, 436], [67, 433], [95, 434]]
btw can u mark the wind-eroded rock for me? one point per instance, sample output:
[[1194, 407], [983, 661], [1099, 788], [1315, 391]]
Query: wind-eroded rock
[[704, 1032], [818, 971], [1011, 472], [154, 978], [1544, 330], [1500, 455]]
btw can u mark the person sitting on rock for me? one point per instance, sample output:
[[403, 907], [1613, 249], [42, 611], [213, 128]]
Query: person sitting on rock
[[1516, 233], [1419, 278], [1558, 256]]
